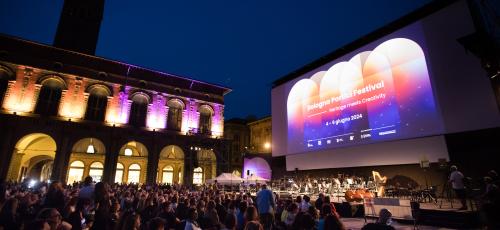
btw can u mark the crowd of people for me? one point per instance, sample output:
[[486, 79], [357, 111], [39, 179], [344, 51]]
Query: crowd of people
[[101, 206], [130, 206]]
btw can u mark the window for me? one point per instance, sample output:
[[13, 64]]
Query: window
[[139, 110], [205, 124], [180, 176], [134, 173], [119, 173], [49, 97], [128, 152], [198, 176], [174, 118], [168, 175], [97, 103], [75, 173], [95, 171]]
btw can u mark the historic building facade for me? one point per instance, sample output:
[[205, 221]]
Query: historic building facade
[[66, 115], [261, 136], [237, 131]]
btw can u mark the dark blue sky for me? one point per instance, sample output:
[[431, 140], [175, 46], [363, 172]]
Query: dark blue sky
[[242, 44]]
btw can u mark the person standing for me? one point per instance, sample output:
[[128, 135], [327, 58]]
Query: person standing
[[266, 206], [457, 183]]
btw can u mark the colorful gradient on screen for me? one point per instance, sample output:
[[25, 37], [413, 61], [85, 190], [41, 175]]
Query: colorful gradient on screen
[[382, 94]]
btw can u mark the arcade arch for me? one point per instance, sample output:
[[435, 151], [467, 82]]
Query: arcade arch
[[170, 165], [134, 158], [33, 157], [207, 161], [91, 152]]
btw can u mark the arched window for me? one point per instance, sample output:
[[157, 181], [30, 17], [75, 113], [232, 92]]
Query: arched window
[[134, 173], [49, 96], [168, 175], [174, 118], [5, 75], [97, 102], [139, 110], [205, 124], [119, 173], [198, 176], [95, 171], [75, 173]]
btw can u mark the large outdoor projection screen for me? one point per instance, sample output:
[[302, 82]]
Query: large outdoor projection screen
[[391, 93]]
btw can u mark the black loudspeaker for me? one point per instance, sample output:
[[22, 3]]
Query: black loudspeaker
[[248, 172]]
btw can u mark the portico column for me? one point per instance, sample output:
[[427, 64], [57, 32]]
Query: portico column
[[61, 160], [152, 166], [15, 165], [188, 167], [7, 145], [110, 162]]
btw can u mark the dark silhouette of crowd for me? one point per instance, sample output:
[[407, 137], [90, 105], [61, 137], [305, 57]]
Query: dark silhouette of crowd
[[130, 206], [119, 206]]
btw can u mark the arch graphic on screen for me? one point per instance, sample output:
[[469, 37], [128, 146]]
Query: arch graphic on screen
[[377, 95]]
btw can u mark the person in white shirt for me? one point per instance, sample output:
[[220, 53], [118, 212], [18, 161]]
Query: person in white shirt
[[457, 183]]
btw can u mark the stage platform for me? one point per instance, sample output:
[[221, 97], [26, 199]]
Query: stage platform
[[431, 214], [358, 223]]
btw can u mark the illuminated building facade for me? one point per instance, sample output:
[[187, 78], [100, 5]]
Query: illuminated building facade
[[260, 136], [66, 115]]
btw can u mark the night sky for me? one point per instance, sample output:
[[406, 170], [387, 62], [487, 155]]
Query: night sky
[[244, 45]]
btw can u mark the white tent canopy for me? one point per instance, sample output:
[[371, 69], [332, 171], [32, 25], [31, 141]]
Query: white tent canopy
[[225, 179], [254, 179]]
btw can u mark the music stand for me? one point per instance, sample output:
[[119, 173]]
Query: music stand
[[426, 193]]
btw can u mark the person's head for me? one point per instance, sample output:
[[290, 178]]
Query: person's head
[[192, 214], [51, 215], [327, 199], [156, 223], [298, 199], [264, 186], [243, 205], [55, 187], [384, 216], [453, 168], [211, 205], [133, 221], [293, 208], [88, 181], [101, 191], [251, 214], [230, 221], [493, 174], [321, 196], [332, 222], [307, 198], [253, 225]]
